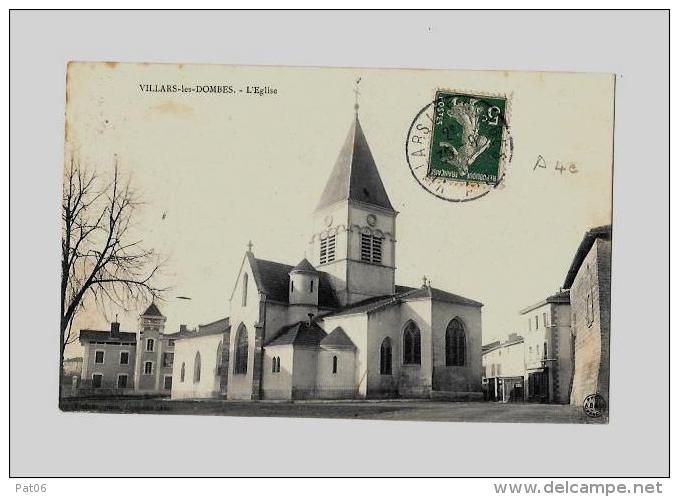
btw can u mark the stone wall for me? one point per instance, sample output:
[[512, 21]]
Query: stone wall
[[591, 323]]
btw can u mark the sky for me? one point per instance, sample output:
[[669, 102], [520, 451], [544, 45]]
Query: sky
[[218, 170]]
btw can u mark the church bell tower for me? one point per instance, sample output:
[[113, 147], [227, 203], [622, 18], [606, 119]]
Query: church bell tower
[[354, 224]]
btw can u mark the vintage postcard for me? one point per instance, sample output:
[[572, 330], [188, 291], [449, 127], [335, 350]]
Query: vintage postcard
[[337, 242]]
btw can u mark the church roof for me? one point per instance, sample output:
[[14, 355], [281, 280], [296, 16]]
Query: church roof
[[305, 265], [214, 328], [355, 174], [273, 279], [603, 232], [302, 333], [441, 296], [152, 310], [338, 339], [404, 293], [366, 305]]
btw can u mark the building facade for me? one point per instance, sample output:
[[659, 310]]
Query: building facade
[[198, 358], [504, 370], [337, 325], [108, 360], [155, 354], [589, 281], [548, 349], [118, 362]]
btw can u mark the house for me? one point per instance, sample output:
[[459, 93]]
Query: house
[[119, 362], [549, 350], [504, 369], [108, 360], [336, 325], [589, 281]]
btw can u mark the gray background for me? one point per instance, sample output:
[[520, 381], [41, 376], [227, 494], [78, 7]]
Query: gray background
[[46, 442]]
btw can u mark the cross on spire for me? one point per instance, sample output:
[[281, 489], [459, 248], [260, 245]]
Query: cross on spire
[[424, 281], [356, 94], [250, 245]]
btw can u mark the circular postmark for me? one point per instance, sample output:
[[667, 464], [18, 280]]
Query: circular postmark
[[594, 405], [459, 145]]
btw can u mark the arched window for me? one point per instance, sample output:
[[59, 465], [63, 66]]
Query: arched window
[[385, 356], [455, 343], [241, 361], [411, 344], [334, 364], [278, 364], [182, 373], [245, 289], [273, 364], [196, 368], [218, 365]]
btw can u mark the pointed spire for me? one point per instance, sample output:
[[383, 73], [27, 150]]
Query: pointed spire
[[355, 175], [152, 310]]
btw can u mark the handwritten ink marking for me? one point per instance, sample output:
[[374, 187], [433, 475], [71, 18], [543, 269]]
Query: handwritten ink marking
[[559, 166]]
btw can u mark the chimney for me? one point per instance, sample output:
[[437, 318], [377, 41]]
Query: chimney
[[311, 317], [115, 329], [182, 328]]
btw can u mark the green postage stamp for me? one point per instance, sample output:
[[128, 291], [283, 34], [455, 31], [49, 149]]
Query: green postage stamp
[[459, 145], [467, 137]]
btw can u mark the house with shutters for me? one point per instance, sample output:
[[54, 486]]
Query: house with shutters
[[108, 360], [120, 362], [336, 325]]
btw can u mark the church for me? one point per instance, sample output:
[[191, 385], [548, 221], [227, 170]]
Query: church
[[336, 325]]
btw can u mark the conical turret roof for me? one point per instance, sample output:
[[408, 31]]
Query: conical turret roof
[[304, 265]]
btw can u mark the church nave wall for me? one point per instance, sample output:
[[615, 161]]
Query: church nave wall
[[456, 379]]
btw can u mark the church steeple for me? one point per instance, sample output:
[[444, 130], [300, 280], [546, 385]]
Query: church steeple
[[355, 175], [354, 225]]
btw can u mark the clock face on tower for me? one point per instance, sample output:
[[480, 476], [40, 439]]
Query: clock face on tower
[[371, 219], [328, 220]]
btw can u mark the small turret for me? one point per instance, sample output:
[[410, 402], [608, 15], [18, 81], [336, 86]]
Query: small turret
[[304, 284], [152, 319]]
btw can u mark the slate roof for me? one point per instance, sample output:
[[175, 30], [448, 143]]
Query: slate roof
[[302, 333], [355, 174], [214, 328], [404, 293], [106, 336], [273, 279], [366, 305], [305, 265], [338, 339], [442, 296], [152, 310], [603, 232]]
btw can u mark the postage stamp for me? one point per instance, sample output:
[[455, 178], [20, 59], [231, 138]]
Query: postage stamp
[[459, 145]]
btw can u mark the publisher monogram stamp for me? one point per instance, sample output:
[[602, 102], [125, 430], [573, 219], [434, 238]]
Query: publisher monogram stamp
[[459, 145]]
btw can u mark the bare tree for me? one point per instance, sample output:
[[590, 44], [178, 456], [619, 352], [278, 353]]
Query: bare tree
[[102, 261]]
